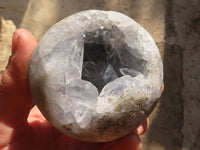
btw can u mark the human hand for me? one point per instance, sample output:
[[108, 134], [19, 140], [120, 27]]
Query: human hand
[[23, 127]]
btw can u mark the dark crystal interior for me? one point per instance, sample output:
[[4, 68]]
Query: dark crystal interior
[[95, 64], [103, 62]]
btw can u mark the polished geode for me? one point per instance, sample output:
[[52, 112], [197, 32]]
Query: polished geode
[[96, 75]]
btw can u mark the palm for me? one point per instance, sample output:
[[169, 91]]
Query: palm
[[23, 127]]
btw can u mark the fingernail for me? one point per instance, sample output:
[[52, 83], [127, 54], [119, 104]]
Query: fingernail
[[14, 42], [15, 35]]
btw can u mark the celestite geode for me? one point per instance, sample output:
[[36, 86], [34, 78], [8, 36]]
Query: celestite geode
[[96, 75]]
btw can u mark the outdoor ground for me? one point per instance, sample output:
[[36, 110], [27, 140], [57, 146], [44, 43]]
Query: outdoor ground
[[175, 26]]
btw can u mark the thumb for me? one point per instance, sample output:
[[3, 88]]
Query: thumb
[[15, 94], [15, 76]]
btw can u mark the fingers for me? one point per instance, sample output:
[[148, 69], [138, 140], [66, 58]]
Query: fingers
[[163, 87], [143, 127], [15, 97], [130, 142], [36, 115]]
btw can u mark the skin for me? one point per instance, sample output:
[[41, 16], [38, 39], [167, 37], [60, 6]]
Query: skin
[[23, 127]]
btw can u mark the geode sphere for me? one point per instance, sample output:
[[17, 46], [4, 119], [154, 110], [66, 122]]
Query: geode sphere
[[96, 75]]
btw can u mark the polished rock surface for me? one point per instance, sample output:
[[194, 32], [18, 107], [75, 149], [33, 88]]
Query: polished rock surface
[[96, 75]]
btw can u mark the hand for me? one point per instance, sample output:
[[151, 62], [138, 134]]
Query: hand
[[23, 127]]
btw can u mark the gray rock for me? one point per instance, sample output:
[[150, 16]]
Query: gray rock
[[96, 75]]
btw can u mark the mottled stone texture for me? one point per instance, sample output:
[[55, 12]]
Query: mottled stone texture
[[96, 75], [7, 28]]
